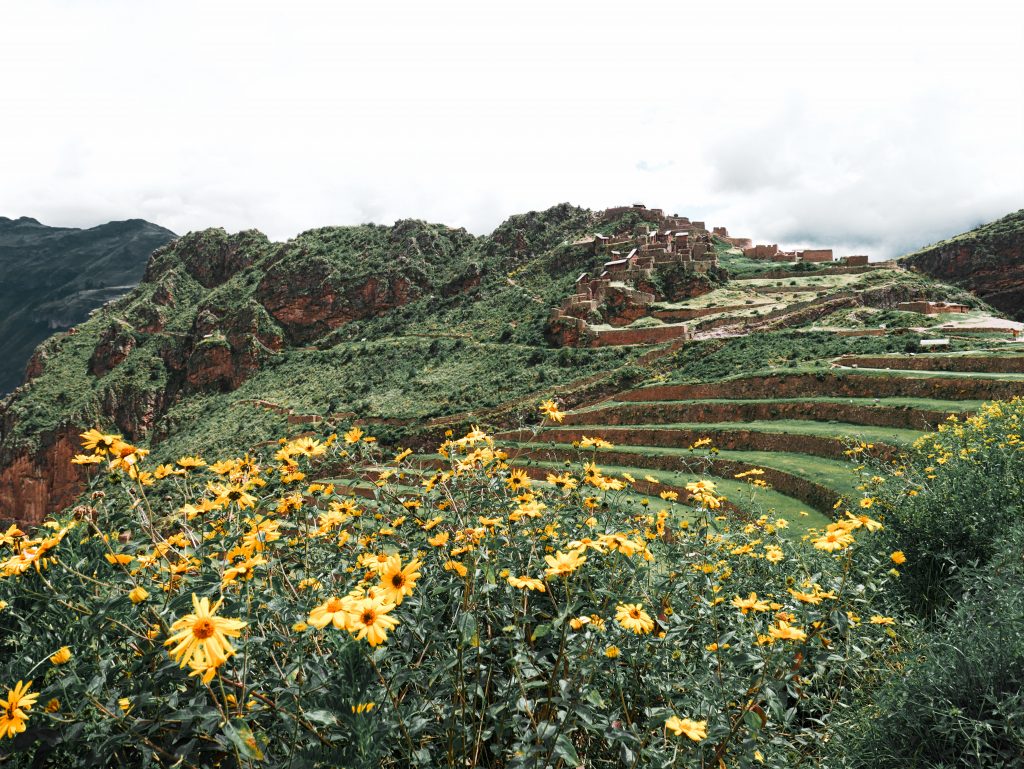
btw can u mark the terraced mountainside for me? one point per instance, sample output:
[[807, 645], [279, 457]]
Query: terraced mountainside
[[988, 261], [54, 276], [409, 330]]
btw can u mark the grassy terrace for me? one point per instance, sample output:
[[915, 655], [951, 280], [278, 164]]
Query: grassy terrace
[[927, 404], [829, 473], [871, 434], [746, 497]]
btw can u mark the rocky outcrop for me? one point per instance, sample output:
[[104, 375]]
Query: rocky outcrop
[[116, 343], [210, 256], [988, 262], [34, 484], [310, 304]]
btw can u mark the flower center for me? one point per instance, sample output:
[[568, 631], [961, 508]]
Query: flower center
[[203, 629], [334, 605], [368, 617], [634, 614], [398, 580]]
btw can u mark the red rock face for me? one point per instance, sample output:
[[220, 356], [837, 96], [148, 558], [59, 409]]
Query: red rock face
[[116, 344], [34, 485], [993, 271], [316, 302]]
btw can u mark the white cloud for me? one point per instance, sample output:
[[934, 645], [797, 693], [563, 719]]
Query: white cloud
[[877, 126]]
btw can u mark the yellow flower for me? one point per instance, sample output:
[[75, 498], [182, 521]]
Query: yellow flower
[[783, 630], [94, 440], [202, 635], [439, 540], [750, 603], [632, 617], [86, 459], [612, 652], [457, 567], [398, 582], [353, 435], [527, 583], [518, 480], [564, 563], [878, 619], [118, 558], [550, 411], [369, 619], [333, 611], [190, 463], [61, 656], [14, 709], [300, 627], [898, 557], [52, 706], [833, 540], [695, 730], [364, 707]]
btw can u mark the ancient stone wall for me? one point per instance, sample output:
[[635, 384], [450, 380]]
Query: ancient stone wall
[[963, 363]]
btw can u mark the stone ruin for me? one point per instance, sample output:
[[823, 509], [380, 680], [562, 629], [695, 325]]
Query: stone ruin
[[932, 308], [624, 283], [773, 253]]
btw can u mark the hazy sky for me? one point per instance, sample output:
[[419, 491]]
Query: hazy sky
[[872, 126]]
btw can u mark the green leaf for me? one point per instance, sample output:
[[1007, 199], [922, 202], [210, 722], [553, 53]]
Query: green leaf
[[242, 737], [564, 749], [321, 717]]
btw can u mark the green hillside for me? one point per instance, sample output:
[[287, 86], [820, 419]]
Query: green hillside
[[763, 496], [54, 277]]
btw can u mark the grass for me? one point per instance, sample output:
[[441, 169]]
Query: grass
[[869, 433], [928, 404], [744, 496], [829, 473]]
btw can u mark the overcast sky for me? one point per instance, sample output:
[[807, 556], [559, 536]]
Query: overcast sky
[[872, 126]]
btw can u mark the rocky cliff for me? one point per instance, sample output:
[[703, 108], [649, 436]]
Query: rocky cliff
[[987, 261]]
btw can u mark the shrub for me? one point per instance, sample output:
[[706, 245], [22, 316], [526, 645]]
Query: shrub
[[949, 502], [959, 704]]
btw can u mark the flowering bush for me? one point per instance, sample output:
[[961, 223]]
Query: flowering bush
[[454, 612], [950, 500]]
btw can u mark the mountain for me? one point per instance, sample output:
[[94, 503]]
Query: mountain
[[55, 276], [231, 340], [988, 261]]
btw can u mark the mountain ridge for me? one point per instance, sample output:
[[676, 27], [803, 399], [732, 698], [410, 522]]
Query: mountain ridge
[[55, 276], [232, 338]]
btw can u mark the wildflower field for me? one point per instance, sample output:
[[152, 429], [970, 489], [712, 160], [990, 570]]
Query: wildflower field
[[238, 612]]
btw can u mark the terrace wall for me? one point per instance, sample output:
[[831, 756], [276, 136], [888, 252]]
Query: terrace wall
[[651, 335], [963, 363]]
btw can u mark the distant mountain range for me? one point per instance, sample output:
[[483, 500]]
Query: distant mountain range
[[53, 277]]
